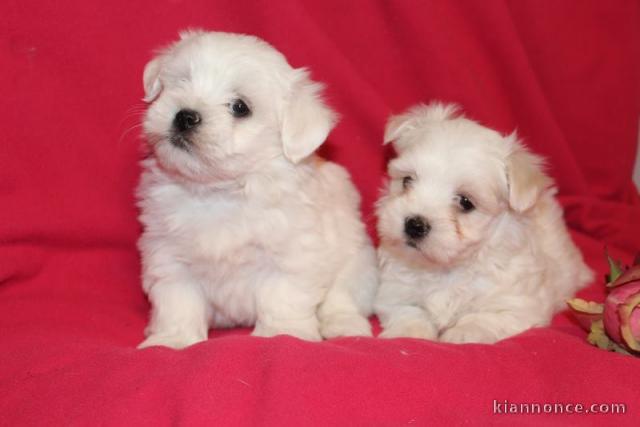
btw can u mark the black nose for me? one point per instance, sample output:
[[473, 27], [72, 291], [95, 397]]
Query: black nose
[[186, 120], [416, 227]]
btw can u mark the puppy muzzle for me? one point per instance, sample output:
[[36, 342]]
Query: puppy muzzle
[[416, 228], [184, 124]]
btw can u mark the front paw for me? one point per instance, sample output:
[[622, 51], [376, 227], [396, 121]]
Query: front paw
[[411, 328], [468, 333], [172, 340], [304, 332], [346, 325]]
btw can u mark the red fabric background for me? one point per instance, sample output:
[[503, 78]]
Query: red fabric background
[[565, 73]]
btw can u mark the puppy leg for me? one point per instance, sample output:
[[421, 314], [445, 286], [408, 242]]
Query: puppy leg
[[397, 306], [407, 321], [178, 315], [349, 301], [491, 326], [285, 306]]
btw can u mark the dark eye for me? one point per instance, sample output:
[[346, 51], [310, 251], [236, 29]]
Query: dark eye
[[465, 204], [406, 182], [239, 108]]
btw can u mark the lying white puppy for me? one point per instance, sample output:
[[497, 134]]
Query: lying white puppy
[[243, 224], [473, 244]]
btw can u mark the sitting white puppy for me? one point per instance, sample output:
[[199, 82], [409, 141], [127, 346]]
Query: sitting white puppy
[[243, 224], [473, 244]]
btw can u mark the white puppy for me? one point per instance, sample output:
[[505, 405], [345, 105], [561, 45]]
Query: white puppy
[[473, 244], [243, 224]]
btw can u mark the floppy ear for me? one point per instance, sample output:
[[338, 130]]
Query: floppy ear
[[151, 75], [151, 79], [525, 177], [416, 116], [306, 121], [397, 125]]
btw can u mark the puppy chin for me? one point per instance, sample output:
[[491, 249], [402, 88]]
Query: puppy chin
[[436, 257], [422, 255], [181, 163]]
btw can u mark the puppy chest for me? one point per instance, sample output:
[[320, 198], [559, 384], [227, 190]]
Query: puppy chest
[[217, 233]]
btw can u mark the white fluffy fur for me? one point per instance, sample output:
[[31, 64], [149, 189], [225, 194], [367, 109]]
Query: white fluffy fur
[[247, 226], [478, 276]]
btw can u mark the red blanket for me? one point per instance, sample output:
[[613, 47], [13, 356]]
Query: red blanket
[[565, 73]]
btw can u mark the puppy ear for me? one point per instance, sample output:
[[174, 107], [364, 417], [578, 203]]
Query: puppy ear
[[306, 121], [397, 125], [416, 116], [525, 177], [151, 79]]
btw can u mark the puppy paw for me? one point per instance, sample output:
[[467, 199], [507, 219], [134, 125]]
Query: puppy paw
[[411, 328], [176, 341], [468, 333], [304, 333], [345, 325]]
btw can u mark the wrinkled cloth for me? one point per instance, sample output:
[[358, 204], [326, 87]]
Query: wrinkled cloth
[[565, 74]]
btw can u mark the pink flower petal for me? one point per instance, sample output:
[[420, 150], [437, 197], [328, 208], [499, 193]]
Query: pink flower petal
[[616, 298], [627, 319]]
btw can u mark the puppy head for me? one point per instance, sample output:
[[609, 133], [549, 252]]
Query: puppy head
[[450, 184], [224, 105]]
